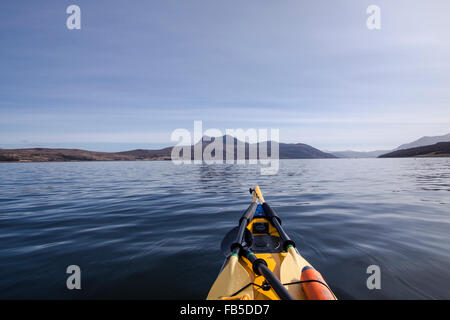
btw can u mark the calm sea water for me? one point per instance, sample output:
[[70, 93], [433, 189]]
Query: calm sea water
[[153, 229]]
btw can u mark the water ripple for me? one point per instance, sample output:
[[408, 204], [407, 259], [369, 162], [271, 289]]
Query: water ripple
[[136, 226]]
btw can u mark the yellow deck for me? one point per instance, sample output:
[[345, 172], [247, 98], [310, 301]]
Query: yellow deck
[[274, 261]]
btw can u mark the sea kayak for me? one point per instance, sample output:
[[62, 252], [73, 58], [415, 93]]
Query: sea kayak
[[262, 262]]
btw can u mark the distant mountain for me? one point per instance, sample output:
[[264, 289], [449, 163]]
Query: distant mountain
[[286, 151], [302, 151], [440, 149], [424, 141], [144, 154], [358, 154], [47, 154]]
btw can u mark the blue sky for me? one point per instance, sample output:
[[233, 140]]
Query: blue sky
[[137, 70]]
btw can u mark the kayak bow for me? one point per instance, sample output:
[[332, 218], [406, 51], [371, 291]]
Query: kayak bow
[[262, 262]]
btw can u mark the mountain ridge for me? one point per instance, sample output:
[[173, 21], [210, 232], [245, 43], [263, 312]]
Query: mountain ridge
[[423, 141], [286, 151], [440, 149]]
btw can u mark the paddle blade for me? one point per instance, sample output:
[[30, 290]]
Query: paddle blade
[[232, 278], [291, 271]]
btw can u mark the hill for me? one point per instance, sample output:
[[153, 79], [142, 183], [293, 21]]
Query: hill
[[424, 141], [286, 151], [302, 151], [48, 155], [440, 149]]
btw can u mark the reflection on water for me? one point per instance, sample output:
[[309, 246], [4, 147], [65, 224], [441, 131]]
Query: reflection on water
[[153, 229]]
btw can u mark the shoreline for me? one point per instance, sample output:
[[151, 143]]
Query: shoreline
[[165, 160]]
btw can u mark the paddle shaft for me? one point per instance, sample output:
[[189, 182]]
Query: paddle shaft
[[260, 268], [243, 222], [276, 221]]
